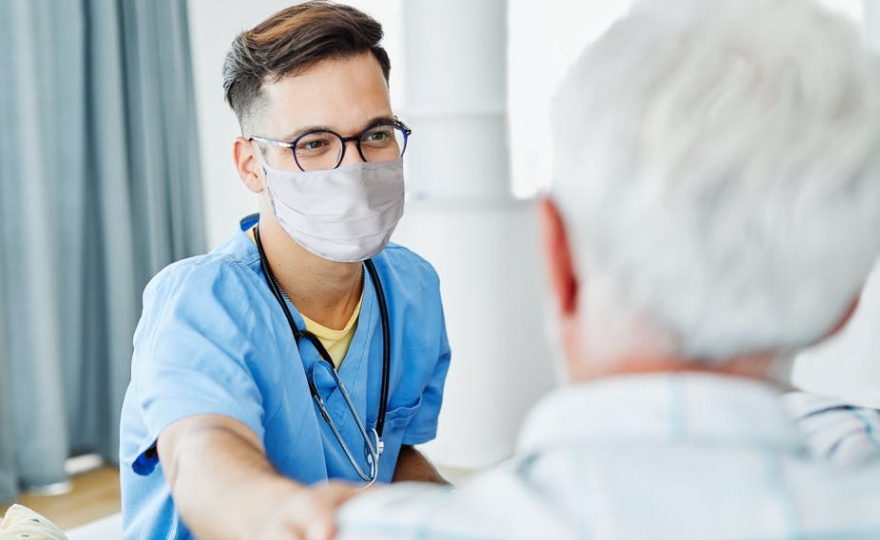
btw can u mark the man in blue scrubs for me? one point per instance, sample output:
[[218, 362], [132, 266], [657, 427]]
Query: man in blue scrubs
[[222, 432]]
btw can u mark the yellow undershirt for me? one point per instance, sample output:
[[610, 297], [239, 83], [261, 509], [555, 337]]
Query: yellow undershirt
[[335, 341]]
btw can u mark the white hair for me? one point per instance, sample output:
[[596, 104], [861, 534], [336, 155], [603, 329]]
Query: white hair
[[717, 164]]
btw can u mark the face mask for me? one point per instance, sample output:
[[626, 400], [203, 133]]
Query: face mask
[[345, 214]]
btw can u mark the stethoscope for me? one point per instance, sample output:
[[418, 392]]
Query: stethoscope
[[373, 444]]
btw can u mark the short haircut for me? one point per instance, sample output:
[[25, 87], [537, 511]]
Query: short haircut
[[718, 167], [290, 42]]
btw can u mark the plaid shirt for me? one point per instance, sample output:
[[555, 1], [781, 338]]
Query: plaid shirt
[[683, 457], [841, 433]]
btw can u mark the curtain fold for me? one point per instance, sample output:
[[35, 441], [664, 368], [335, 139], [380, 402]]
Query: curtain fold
[[99, 188], [7, 473]]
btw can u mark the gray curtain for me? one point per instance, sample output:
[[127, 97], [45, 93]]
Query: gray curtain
[[99, 189]]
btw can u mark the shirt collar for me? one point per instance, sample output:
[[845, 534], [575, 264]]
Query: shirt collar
[[688, 409]]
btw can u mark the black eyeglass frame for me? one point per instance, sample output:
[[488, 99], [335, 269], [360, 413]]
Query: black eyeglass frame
[[356, 138]]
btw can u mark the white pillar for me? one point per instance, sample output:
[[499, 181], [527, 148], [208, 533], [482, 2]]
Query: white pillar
[[461, 216], [871, 22]]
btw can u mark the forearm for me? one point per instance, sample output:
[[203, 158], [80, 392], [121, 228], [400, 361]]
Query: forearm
[[412, 466], [217, 477]]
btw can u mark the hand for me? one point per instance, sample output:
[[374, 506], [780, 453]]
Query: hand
[[305, 514], [226, 489]]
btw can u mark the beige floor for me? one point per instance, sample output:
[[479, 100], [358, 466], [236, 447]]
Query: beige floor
[[95, 494]]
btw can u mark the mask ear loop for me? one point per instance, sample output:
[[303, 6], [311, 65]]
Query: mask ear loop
[[261, 159]]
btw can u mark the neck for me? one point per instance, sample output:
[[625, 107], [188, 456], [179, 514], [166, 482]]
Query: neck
[[325, 291], [761, 366]]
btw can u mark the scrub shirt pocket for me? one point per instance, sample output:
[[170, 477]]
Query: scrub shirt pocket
[[397, 419], [396, 422]]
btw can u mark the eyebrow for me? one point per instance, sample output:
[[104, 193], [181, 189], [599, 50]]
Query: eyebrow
[[371, 122]]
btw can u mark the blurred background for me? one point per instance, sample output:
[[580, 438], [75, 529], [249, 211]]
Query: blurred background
[[115, 160]]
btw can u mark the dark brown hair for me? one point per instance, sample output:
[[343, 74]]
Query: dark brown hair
[[291, 41]]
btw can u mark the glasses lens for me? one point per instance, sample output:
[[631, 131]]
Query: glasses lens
[[383, 143], [317, 151]]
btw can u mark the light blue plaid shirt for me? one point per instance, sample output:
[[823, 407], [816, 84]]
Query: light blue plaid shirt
[[683, 457], [842, 433]]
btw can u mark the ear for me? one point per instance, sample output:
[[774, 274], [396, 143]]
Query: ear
[[247, 164], [558, 258]]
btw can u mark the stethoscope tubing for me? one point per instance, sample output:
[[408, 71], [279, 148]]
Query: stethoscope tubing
[[322, 351]]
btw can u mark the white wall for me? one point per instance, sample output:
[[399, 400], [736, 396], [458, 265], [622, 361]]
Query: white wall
[[213, 24], [544, 44]]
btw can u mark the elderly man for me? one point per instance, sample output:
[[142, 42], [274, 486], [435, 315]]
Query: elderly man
[[715, 208]]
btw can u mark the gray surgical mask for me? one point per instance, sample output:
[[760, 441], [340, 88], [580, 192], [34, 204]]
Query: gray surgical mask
[[345, 214]]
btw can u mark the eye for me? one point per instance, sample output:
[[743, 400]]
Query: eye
[[315, 142], [379, 136], [311, 145]]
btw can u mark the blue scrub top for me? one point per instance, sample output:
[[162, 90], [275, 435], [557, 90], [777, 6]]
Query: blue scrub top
[[213, 340]]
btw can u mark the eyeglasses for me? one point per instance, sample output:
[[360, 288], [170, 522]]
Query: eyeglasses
[[373, 446], [322, 149]]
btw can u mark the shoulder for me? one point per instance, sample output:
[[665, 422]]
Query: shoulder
[[229, 270], [216, 293], [205, 307], [215, 273], [402, 264]]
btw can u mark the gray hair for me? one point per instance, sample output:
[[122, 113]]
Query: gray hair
[[718, 167]]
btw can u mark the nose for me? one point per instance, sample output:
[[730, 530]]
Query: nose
[[351, 154]]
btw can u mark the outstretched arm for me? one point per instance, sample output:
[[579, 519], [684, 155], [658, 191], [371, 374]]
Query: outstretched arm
[[225, 488]]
